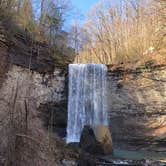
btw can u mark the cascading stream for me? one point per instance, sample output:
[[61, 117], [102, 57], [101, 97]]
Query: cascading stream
[[87, 100]]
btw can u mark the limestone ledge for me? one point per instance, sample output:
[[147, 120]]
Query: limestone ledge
[[137, 106], [34, 86]]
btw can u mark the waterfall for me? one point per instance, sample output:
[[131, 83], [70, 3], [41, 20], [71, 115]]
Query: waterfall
[[87, 100]]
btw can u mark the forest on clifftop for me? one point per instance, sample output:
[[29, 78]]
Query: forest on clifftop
[[111, 33]]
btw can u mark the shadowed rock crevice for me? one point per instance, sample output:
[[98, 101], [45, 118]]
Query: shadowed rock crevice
[[54, 117]]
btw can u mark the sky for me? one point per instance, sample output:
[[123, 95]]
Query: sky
[[81, 9], [84, 5]]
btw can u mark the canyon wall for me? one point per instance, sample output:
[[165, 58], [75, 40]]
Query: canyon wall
[[137, 102], [21, 94]]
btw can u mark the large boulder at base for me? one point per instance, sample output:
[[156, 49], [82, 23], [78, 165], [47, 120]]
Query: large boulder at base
[[103, 135], [88, 141], [96, 140]]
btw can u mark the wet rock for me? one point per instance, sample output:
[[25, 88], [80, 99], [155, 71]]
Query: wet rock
[[87, 160], [96, 140], [109, 161], [89, 143], [103, 135], [74, 145], [66, 162]]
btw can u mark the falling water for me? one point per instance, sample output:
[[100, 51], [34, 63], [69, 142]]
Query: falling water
[[87, 102]]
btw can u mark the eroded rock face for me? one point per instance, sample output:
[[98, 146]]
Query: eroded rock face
[[21, 94], [54, 115], [42, 88], [137, 103], [96, 140]]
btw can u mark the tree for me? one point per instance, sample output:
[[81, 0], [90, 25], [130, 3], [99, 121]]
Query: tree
[[122, 32], [25, 14], [161, 31], [0, 4], [6, 5]]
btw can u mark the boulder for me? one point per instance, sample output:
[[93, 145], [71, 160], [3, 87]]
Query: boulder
[[96, 140], [103, 135]]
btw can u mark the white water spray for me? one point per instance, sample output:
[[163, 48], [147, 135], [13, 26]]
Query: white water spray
[[87, 100]]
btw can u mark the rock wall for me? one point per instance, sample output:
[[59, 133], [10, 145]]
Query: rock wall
[[137, 103], [39, 87], [32, 75], [21, 122]]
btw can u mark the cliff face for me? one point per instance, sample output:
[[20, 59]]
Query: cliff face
[[137, 102], [29, 77], [33, 85], [21, 95]]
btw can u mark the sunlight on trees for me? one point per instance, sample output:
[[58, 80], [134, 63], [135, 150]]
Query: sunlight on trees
[[44, 18], [111, 33], [122, 32]]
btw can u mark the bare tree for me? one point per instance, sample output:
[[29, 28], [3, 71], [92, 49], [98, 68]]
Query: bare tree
[[124, 31]]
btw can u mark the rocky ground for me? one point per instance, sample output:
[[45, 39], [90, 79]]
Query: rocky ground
[[75, 157], [72, 155]]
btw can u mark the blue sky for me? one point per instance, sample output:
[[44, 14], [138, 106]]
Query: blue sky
[[84, 5]]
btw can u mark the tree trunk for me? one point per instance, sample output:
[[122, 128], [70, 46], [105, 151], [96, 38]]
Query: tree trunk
[[0, 4], [18, 7], [42, 15], [9, 5]]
